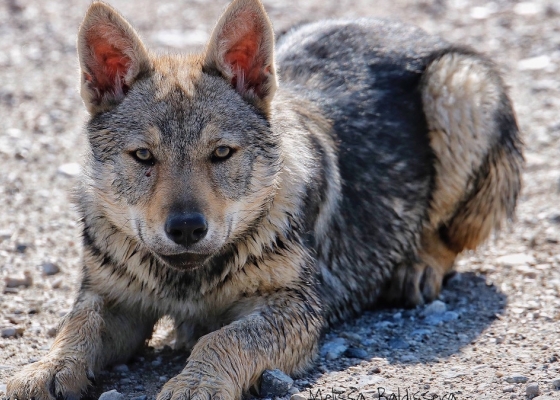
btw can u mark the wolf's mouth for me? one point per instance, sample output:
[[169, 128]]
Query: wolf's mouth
[[184, 260]]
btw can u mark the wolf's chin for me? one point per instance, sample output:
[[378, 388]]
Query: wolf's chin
[[184, 261]]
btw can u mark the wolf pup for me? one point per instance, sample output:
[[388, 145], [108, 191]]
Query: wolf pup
[[257, 195]]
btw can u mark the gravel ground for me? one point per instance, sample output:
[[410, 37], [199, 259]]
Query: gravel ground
[[495, 334]]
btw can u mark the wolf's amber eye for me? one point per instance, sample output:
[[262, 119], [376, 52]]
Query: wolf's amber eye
[[144, 155], [222, 153]]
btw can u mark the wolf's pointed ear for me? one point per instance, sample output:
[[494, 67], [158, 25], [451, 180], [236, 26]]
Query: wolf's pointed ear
[[111, 57], [242, 50]]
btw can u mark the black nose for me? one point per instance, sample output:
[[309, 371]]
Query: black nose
[[186, 229]]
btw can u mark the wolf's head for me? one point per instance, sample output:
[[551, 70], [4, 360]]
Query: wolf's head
[[182, 155]]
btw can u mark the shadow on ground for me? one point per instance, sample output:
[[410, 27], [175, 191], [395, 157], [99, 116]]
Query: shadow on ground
[[399, 336]]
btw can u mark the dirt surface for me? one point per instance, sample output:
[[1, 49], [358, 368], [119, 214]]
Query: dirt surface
[[497, 330]]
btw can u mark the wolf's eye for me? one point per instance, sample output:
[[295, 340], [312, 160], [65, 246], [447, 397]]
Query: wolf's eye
[[222, 153], [144, 156]]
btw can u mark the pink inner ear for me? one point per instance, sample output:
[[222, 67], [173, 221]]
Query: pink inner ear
[[247, 63], [110, 64]]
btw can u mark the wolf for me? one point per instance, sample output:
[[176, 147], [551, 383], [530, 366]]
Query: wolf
[[258, 193]]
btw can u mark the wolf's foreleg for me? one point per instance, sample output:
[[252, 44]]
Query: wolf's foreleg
[[93, 335], [282, 334]]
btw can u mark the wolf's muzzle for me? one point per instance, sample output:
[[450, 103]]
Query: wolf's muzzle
[[186, 228]]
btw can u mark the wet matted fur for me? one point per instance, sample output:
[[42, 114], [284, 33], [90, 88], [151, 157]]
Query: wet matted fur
[[257, 195]]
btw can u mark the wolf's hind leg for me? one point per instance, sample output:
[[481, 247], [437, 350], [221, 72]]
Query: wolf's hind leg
[[478, 161]]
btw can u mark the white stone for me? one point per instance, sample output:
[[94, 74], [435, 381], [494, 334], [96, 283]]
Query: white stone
[[70, 170], [534, 63]]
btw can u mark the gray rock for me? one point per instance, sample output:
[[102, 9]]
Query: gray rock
[[384, 324], [111, 395], [517, 378], [334, 349], [142, 397], [293, 390], [420, 333], [354, 352], [532, 390], [21, 247], [354, 337], [121, 368], [50, 269], [409, 358], [275, 383], [509, 389], [3, 388], [437, 319], [398, 344], [11, 332], [556, 383], [435, 307]]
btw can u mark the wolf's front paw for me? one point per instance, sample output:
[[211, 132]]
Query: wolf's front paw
[[190, 386], [50, 379]]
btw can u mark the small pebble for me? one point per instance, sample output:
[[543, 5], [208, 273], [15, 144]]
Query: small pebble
[[293, 390], [3, 387], [12, 332], [354, 352], [298, 396], [69, 170], [21, 247], [516, 379], [513, 260], [435, 307], [398, 344], [51, 332], [50, 269], [140, 388], [142, 397], [163, 378], [57, 283], [334, 349], [275, 383], [420, 333], [556, 383], [111, 395], [26, 281], [352, 336], [532, 390], [509, 389], [121, 368], [408, 358]]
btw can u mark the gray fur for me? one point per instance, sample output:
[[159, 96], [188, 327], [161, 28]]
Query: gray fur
[[333, 183]]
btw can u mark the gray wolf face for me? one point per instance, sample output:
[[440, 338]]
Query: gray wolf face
[[182, 155]]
